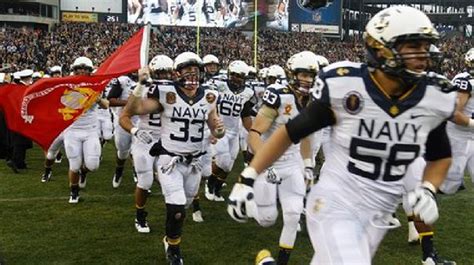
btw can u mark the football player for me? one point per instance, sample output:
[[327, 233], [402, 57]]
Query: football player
[[285, 180], [275, 74], [53, 154], [383, 115], [146, 132], [211, 66], [81, 139], [461, 131], [234, 105], [122, 88], [184, 108]]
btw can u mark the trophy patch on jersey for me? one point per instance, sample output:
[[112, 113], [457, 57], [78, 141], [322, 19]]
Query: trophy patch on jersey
[[288, 109], [353, 102], [210, 97], [170, 98]]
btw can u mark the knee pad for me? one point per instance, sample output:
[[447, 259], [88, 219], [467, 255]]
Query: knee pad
[[267, 215], [75, 163], [175, 215], [51, 155], [145, 180], [92, 163], [123, 155]]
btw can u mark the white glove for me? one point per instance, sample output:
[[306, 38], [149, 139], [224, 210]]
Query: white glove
[[309, 174], [272, 176], [142, 135], [423, 202], [241, 203]]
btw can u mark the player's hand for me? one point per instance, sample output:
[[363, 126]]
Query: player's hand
[[143, 75], [219, 130], [241, 202], [423, 202], [308, 177], [142, 135]]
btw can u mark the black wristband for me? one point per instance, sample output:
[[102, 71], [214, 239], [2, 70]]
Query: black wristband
[[247, 181]]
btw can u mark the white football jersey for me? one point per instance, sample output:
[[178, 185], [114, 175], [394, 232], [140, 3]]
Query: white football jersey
[[151, 122], [183, 119], [375, 137], [465, 83], [258, 88], [284, 101], [231, 105], [126, 84]]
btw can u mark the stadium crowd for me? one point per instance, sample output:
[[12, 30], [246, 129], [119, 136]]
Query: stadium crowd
[[253, 112], [39, 50]]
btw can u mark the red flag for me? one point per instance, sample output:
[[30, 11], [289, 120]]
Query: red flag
[[46, 108], [120, 62]]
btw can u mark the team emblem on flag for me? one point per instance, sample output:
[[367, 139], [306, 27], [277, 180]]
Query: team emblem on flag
[[170, 98], [353, 102], [76, 100]]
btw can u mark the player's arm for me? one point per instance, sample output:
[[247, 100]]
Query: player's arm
[[264, 120], [438, 157], [464, 89], [103, 102], [138, 105], [313, 118], [246, 115], [216, 126], [115, 93], [459, 117], [125, 119]]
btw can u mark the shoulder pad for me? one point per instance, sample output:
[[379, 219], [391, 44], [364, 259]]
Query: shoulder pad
[[441, 82], [341, 69], [271, 98]]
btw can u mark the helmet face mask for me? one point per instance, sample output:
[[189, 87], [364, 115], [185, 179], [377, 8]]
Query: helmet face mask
[[237, 72], [387, 36], [211, 69], [188, 68], [301, 70], [189, 77]]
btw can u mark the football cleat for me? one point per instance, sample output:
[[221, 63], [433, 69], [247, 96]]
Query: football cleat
[[140, 222], [116, 180], [264, 257], [46, 176], [142, 226], [74, 198], [197, 217], [82, 179], [434, 259], [208, 193], [172, 258]]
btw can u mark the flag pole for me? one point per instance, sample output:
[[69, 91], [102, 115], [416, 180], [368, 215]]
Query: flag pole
[[145, 46], [198, 33], [255, 34]]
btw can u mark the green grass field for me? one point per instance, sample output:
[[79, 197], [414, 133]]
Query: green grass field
[[38, 226]]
